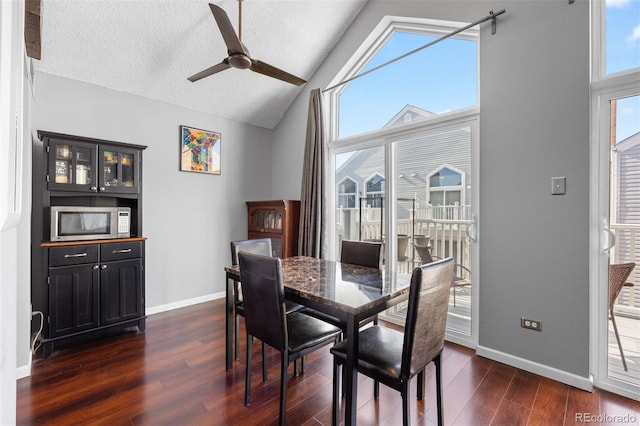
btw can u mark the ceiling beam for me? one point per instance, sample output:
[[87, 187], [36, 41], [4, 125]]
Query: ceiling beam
[[32, 33]]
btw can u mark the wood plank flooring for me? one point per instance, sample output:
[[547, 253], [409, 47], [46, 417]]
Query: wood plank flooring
[[174, 374]]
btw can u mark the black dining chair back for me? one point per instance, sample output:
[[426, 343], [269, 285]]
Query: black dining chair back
[[257, 246], [394, 358], [363, 253], [293, 334]]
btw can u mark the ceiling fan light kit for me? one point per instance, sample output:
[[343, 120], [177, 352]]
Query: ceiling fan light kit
[[239, 54]]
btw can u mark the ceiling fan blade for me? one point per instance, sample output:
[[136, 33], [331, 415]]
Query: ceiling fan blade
[[271, 71], [234, 45], [210, 71]]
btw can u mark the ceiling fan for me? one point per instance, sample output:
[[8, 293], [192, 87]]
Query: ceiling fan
[[239, 54]]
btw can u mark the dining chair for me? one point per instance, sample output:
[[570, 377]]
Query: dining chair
[[294, 334], [393, 357], [423, 248], [362, 253], [618, 275], [263, 247]]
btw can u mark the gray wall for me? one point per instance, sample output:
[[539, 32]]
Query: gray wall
[[534, 125], [189, 218]]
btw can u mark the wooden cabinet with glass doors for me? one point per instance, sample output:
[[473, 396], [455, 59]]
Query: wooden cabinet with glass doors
[[278, 220]]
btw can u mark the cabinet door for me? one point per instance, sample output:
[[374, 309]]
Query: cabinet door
[[72, 166], [73, 299], [119, 170], [120, 291]]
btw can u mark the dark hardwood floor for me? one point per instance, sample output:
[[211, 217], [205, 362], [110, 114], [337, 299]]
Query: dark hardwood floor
[[174, 374]]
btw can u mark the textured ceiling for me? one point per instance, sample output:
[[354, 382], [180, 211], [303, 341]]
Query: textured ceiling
[[150, 47]]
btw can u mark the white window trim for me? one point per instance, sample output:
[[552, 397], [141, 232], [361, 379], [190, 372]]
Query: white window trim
[[603, 88]]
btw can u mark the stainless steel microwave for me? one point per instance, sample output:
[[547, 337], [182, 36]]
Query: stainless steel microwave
[[72, 223]]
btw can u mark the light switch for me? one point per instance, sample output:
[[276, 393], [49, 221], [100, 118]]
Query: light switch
[[558, 185]]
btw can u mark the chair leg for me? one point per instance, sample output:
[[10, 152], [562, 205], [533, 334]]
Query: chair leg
[[615, 329], [237, 337], [454, 296], [283, 385], [336, 392], [264, 362], [438, 363], [376, 389], [247, 379], [404, 392], [295, 368], [302, 365], [420, 386]]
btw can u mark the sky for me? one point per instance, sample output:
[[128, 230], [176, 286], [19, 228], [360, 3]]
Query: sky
[[443, 77], [623, 53]]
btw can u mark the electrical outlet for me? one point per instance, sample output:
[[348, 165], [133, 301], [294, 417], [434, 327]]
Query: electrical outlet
[[530, 324]]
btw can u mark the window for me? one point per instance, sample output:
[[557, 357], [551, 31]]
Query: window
[[347, 194], [434, 81], [375, 190], [406, 133], [621, 35]]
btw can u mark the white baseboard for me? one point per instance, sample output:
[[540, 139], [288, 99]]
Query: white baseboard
[[184, 303], [570, 379], [25, 370]]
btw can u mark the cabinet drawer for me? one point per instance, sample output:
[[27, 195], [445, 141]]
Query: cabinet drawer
[[73, 255], [120, 251]]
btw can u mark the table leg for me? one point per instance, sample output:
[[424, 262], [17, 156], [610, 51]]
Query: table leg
[[351, 372], [229, 323]]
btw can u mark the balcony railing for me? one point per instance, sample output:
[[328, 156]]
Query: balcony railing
[[444, 226], [626, 249]]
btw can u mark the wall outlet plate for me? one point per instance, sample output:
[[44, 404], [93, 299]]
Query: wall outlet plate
[[530, 324]]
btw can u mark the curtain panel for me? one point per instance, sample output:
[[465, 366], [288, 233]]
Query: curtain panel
[[312, 238]]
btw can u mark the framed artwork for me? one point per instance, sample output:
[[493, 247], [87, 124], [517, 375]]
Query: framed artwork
[[199, 150]]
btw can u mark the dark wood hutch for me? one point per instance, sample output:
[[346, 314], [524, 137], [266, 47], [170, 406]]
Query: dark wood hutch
[[84, 287], [278, 220]]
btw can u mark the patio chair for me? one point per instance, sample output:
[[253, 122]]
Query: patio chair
[[618, 275], [423, 248]]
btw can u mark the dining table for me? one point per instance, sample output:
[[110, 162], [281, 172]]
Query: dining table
[[348, 292]]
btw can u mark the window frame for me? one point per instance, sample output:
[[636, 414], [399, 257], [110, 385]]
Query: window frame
[[370, 47]]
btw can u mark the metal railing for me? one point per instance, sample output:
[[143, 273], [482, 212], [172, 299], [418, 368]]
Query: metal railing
[[626, 248]]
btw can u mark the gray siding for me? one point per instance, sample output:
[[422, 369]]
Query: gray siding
[[416, 159]]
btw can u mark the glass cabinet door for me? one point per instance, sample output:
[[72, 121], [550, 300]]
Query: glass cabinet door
[[119, 171], [72, 166]]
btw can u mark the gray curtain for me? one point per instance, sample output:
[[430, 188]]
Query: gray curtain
[[311, 238]]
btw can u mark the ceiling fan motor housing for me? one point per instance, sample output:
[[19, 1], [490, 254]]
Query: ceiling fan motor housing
[[240, 61]]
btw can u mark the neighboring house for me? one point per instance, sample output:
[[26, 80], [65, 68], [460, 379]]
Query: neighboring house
[[625, 213], [625, 180], [434, 170]]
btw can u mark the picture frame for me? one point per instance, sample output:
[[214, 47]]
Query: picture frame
[[199, 150]]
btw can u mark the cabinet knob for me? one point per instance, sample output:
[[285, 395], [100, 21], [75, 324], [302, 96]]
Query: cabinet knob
[[103, 267], [94, 188], [95, 267], [102, 189]]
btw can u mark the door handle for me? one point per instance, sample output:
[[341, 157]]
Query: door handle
[[611, 240], [121, 251], [473, 224]]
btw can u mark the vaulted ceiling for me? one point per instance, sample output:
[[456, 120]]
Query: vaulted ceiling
[[150, 47]]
